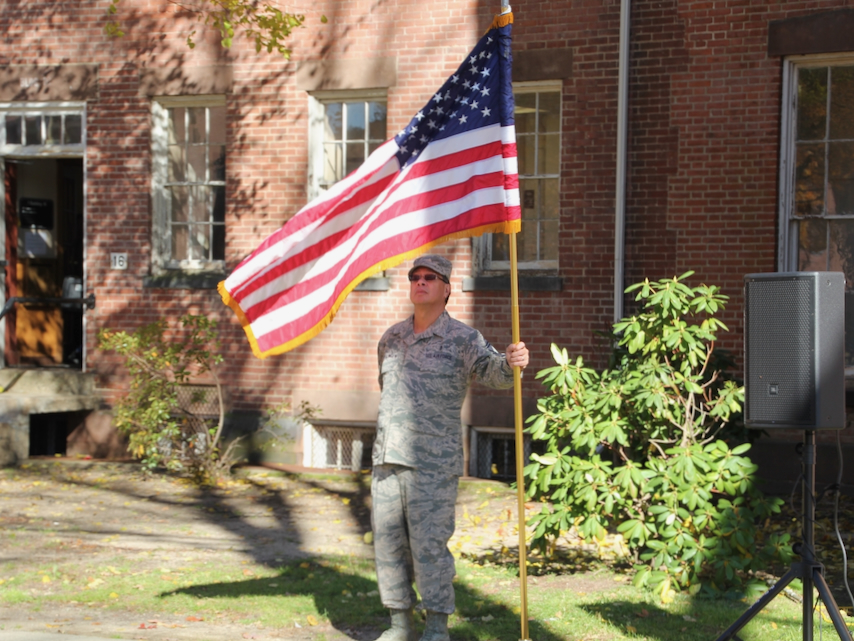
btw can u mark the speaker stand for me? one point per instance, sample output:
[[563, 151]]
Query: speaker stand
[[808, 569]]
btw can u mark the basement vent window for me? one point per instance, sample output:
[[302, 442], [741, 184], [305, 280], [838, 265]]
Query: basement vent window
[[493, 453], [338, 447]]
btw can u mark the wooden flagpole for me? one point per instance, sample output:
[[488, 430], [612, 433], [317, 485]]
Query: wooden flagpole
[[520, 444], [520, 438]]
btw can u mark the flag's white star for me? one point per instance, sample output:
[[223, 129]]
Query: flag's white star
[[465, 101], [423, 139], [489, 40], [482, 54], [474, 71], [467, 84], [485, 72], [476, 86], [414, 153], [474, 104], [486, 112], [431, 124], [483, 92], [438, 96], [440, 111], [455, 78], [473, 59], [420, 116], [414, 129], [463, 119]]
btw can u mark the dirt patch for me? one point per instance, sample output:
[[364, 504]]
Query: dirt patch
[[54, 511]]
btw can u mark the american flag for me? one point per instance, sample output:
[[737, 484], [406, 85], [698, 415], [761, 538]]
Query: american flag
[[451, 173]]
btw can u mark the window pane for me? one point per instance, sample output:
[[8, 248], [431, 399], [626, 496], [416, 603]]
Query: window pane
[[197, 163], [218, 210], [177, 163], [180, 204], [180, 234], [34, 130], [549, 240], [217, 162], [812, 245], [200, 204], [840, 170], [550, 111], [334, 117], [525, 154], [355, 121], [551, 199], [377, 125], [525, 112], [841, 102], [218, 243], [500, 247], [199, 242], [809, 180], [333, 163], [73, 130], [177, 133], [529, 191], [217, 127], [13, 130], [54, 130], [196, 125], [812, 103], [549, 162], [526, 243], [355, 156]]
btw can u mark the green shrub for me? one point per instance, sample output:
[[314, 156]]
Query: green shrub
[[160, 412], [651, 448]]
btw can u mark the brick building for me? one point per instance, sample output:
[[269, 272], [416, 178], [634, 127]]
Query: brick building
[[737, 152]]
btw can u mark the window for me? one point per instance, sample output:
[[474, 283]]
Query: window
[[188, 148], [817, 172], [345, 129], [42, 128], [538, 148]]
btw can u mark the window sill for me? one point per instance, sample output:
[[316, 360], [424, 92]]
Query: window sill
[[502, 284], [184, 280], [373, 285]]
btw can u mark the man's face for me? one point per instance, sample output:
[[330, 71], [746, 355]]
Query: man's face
[[427, 292]]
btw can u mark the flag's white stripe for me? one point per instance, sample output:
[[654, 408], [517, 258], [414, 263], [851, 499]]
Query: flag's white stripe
[[274, 255], [396, 226], [406, 189], [382, 162], [511, 166], [508, 135]]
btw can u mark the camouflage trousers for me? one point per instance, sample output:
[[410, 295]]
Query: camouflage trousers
[[413, 519]]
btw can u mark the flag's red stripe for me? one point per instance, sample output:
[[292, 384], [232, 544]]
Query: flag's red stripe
[[390, 247], [366, 195], [418, 201], [350, 195], [422, 200]]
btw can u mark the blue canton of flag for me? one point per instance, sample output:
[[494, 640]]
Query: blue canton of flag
[[478, 94]]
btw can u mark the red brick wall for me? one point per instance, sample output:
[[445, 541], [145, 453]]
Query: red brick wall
[[703, 157]]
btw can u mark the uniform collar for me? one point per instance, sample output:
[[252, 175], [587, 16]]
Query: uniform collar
[[438, 328]]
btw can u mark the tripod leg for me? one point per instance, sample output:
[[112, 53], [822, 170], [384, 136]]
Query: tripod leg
[[830, 604], [754, 609]]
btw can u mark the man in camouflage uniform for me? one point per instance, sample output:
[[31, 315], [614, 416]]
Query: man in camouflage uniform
[[426, 364]]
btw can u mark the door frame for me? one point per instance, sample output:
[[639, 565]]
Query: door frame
[[14, 152]]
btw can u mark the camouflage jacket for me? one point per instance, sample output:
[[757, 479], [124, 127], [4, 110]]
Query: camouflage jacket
[[424, 378]]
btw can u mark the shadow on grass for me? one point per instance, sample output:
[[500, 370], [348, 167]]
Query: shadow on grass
[[350, 602]]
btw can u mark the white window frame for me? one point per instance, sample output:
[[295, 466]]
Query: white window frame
[[316, 119], [74, 150], [483, 245], [161, 241], [787, 246]]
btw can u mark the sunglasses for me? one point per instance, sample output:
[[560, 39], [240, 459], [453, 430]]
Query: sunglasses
[[414, 278]]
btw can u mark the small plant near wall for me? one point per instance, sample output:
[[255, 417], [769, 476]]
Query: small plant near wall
[[651, 448], [171, 421]]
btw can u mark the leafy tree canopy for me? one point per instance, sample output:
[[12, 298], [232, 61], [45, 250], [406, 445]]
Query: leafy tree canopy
[[260, 22]]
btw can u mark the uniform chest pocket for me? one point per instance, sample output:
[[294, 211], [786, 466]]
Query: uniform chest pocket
[[439, 362]]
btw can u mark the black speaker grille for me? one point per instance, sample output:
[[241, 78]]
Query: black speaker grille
[[780, 351]]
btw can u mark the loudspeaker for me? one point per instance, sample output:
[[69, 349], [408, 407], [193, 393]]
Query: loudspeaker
[[794, 350]]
